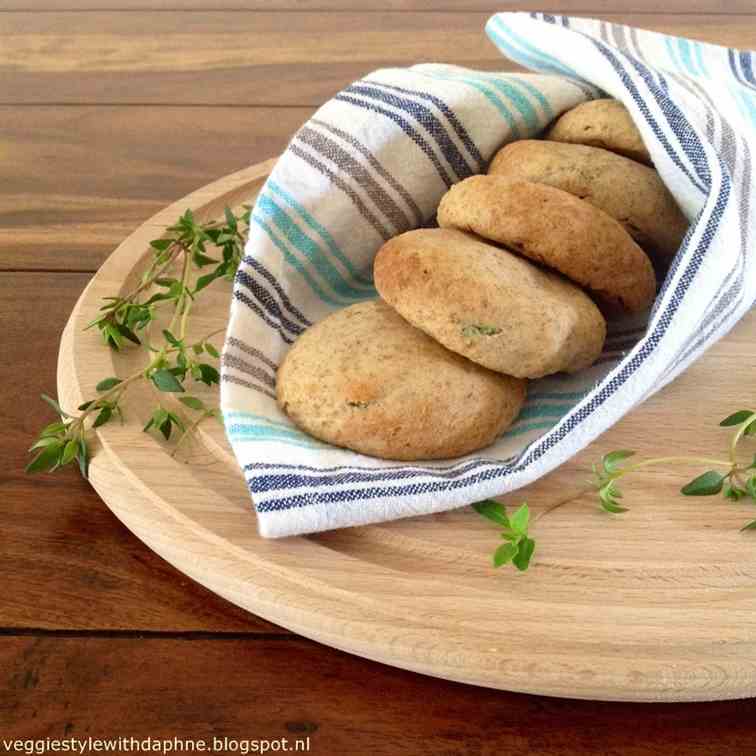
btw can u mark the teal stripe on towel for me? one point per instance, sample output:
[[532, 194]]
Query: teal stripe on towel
[[489, 94], [519, 100], [239, 415], [533, 50], [265, 433], [543, 410], [521, 49], [686, 57], [672, 53], [319, 229], [748, 102], [536, 94], [698, 47], [310, 250], [566, 395], [271, 439], [519, 430], [296, 263]]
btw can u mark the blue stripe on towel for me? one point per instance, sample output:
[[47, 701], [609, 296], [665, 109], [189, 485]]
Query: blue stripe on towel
[[316, 497], [254, 306], [520, 101], [643, 107], [266, 300], [448, 113], [297, 477], [425, 118], [405, 126], [263, 272], [672, 53], [519, 430], [746, 64], [576, 395]]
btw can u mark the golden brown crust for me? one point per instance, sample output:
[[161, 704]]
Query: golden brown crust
[[558, 230], [489, 305], [631, 193], [601, 123], [365, 379]]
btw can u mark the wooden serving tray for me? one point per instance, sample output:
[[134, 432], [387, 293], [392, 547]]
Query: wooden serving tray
[[658, 604]]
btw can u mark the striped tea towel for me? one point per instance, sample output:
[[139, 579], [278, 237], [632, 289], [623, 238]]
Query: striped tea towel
[[375, 160]]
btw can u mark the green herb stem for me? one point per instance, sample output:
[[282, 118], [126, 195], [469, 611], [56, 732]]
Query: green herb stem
[[172, 362], [190, 429], [656, 461], [736, 483], [179, 310], [737, 436], [153, 273], [119, 390], [184, 318], [212, 333], [558, 504]]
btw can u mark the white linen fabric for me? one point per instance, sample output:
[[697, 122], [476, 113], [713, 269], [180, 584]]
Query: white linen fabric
[[375, 160]]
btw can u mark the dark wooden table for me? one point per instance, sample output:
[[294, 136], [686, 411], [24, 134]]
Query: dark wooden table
[[109, 110]]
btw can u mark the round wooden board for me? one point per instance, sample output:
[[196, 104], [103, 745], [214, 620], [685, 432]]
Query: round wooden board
[[658, 604]]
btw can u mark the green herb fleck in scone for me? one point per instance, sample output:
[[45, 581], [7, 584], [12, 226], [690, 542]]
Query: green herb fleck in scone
[[488, 304], [365, 379], [480, 329]]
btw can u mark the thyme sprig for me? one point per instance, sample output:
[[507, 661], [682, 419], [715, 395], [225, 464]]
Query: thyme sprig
[[735, 479], [518, 547], [176, 270]]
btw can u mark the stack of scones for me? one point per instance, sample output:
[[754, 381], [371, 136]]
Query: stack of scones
[[517, 282]]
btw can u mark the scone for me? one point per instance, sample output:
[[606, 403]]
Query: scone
[[631, 193], [365, 379], [601, 123], [556, 229], [488, 304]]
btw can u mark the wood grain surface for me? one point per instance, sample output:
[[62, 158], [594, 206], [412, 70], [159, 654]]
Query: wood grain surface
[[239, 687], [68, 564], [599, 7], [256, 58], [646, 622], [77, 180], [88, 614]]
